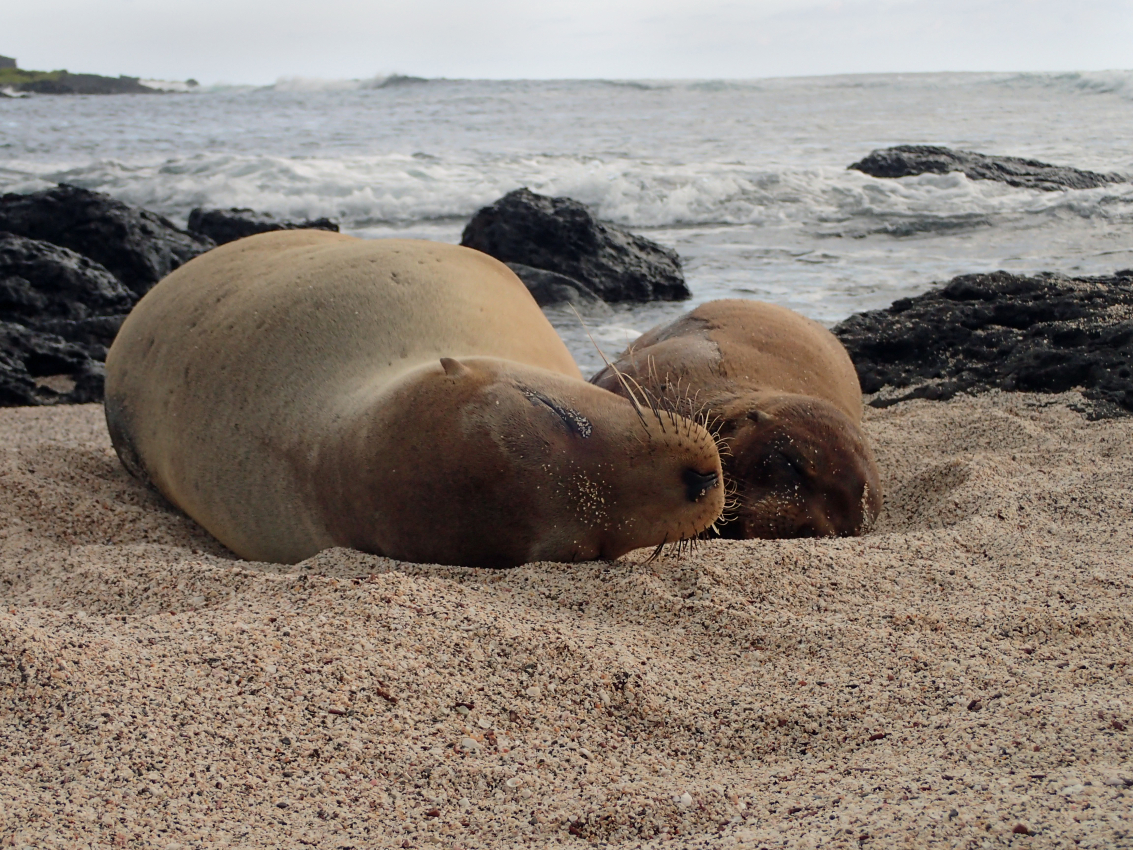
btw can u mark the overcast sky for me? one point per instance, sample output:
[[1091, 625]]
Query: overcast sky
[[259, 41]]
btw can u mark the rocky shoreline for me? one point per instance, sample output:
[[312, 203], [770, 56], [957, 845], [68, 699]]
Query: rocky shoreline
[[74, 262], [1044, 333], [18, 82], [62, 82]]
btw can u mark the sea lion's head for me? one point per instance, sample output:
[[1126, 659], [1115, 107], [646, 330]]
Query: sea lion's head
[[799, 468], [487, 462]]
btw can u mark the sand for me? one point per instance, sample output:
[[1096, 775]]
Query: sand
[[962, 676]]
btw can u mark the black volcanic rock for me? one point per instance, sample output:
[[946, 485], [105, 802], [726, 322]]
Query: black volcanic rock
[[553, 288], [223, 226], [59, 312], [561, 235], [93, 334], [905, 160], [41, 368], [1044, 334], [40, 281], [137, 246]]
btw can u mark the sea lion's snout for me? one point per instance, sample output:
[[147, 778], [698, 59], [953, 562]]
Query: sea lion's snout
[[699, 483]]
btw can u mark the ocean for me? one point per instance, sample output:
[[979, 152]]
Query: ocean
[[747, 180]]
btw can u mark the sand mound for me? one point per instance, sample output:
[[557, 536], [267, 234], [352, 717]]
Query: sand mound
[[961, 675]]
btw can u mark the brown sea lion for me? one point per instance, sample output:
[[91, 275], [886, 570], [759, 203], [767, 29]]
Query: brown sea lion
[[782, 395], [302, 389]]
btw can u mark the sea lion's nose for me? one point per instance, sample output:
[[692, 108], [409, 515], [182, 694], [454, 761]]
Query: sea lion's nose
[[698, 483]]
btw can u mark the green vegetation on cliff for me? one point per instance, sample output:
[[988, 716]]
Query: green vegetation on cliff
[[64, 82], [16, 76]]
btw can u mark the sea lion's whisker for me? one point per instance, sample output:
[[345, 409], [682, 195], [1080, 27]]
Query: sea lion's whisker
[[723, 445], [616, 371], [650, 398]]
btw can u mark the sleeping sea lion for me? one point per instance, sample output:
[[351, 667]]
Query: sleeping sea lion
[[298, 390], [781, 394]]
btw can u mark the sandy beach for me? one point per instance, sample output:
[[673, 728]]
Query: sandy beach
[[962, 676]]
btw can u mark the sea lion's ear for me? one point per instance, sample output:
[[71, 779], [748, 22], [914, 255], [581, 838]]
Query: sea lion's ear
[[454, 368], [759, 417]]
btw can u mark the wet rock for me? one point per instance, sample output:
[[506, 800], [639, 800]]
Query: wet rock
[[137, 246], [905, 160], [1045, 333], [553, 288], [561, 235], [222, 226]]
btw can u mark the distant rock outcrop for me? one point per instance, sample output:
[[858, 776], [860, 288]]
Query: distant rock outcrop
[[1036, 334], [61, 82], [394, 81], [17, 82], [905, 160], [60, 313], [561, 235], [137, 246], [228, 225]]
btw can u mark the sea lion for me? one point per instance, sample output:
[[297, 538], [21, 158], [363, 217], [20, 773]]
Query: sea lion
[[303, 389], [781, 394]]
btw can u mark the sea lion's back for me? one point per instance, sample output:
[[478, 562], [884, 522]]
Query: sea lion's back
[[227, 374]]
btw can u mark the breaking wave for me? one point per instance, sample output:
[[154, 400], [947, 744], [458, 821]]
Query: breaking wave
[[397, 188], [746, 179], [1115, 82], [316, 84]]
